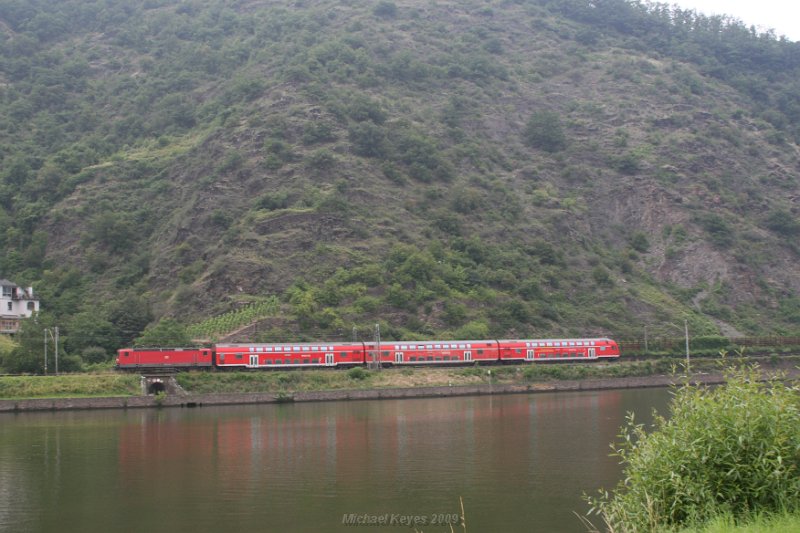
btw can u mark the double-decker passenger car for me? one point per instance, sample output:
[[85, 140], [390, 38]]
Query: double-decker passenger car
[[557, 349], [289, 355], [435, 352]]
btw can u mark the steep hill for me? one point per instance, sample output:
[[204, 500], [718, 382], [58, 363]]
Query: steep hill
[[463, 169]]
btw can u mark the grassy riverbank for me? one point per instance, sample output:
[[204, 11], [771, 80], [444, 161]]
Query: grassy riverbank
[[116, 384], [358, 378], [69, 386]]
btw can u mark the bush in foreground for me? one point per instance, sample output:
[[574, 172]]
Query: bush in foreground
[[733, 450]]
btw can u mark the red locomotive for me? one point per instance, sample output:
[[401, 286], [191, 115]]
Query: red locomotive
[[395, 353], [165, 358]]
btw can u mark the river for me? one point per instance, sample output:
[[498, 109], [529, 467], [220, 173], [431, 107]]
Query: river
[[519, 462]]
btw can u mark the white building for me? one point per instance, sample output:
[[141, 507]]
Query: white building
[[16, 303]]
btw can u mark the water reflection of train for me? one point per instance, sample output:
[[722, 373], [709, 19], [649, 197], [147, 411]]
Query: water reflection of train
[[396, 353], [286, 450]]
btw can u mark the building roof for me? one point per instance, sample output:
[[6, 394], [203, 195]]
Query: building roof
[[6, 282]]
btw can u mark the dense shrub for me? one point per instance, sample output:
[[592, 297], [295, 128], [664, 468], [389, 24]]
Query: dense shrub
[[734, 449], [357, 373], [718, 228], [783, 223], [710, 343], [544, 131]]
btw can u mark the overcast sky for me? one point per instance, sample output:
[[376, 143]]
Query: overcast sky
[[781, 15]]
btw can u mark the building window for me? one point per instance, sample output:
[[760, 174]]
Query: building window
[[10, 306], [31, 306]]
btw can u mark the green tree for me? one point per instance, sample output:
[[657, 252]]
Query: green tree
[[113, 230], [385, 9], [28, 355], [130, 316], [87, 329], [167, 332], [7, 346]]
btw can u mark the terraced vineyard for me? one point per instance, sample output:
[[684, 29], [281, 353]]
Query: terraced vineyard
[[218, 326]]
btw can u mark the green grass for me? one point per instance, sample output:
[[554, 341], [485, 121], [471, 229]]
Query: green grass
[[69, 386], [245, 382], [783, 523]]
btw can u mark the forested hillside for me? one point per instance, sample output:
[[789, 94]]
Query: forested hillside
[[463, 169]]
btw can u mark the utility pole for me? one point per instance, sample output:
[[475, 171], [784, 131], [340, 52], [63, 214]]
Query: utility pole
[[686, 332], [56, 349], [376, 354], [53, 333]]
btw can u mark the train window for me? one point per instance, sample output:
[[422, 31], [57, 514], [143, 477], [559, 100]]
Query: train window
[[437, 346], [315, 361], [239, 356], [413, 358], [518, 350], [297, 361], [430, 358], [480, 352], [429, 346], [602, 348], [446, 358], [385, 354]]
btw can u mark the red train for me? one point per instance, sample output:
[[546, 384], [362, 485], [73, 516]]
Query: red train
[[305, 355]]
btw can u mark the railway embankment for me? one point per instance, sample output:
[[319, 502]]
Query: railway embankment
[[209, 389]]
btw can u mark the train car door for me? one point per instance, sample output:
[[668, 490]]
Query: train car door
[[529, 355], [592, 353], [253, 360], [398, 357], [467, 356], [328, 359]]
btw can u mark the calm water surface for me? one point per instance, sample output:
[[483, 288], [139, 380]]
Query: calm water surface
[[520, 463]]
